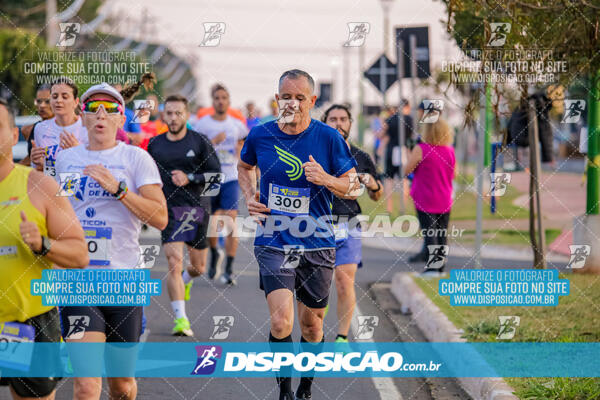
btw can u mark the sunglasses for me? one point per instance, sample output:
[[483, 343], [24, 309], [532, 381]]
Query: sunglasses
[[39, 102], [109, 106]]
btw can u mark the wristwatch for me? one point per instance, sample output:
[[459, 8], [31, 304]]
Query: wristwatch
[[46, 244], [191, 177], [121, 189]]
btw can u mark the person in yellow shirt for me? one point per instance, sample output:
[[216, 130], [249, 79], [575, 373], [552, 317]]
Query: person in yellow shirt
[[39, 230]]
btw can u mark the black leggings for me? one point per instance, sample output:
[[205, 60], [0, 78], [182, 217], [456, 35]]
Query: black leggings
[[434, 228]]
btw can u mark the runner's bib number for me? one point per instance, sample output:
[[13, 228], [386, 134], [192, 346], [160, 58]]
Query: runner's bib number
[[50, 160], [226, 156], [49, 168], [12, 355], [288, 201], [98, 242]]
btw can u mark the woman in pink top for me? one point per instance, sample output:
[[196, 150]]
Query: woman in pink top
[[432, 162]]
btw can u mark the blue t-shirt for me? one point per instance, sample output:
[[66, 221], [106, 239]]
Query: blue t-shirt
[[283, 184]]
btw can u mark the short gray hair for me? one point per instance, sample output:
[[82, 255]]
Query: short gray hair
[[296, 74]]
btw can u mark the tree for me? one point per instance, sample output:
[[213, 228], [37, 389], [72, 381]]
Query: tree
[[17, 48], [31, 14], [571, 29]]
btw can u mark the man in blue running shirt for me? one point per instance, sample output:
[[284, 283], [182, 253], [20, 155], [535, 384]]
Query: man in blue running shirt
[[303, 164]]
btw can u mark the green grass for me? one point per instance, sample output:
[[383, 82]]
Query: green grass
[[575, 319], [556, 388], [507, 237], [464, 207]]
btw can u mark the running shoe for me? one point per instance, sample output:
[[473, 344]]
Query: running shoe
[[182, 327], [342, 345], [286, 396], [188, 289], [304, 395], [215, 265], [227, 279]]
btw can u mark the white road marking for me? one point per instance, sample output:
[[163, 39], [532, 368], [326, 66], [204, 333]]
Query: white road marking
[[385, 386]]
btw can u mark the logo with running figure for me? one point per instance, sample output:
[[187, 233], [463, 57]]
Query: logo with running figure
[[207, 359], [77, 325], [508, 326], [366, 326], [222, 326], [187, 219], [499, 183], [291, 160], [148, 255], [212, 33], [437, 256], [288, 108], [292, 255], [431, 111], [212, 183], [499, 31], [357, 33], [579, 253], [573, 111], [356, 186], [68, 33], [142, 110]]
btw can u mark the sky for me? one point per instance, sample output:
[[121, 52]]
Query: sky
[[263, 38]]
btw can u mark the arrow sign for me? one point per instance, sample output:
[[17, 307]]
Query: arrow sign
[[382, 73]]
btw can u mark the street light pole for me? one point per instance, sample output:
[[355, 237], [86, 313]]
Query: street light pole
[[385, 5], [51, 31]]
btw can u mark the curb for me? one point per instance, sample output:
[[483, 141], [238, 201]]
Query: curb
[[412, 245], [438, 328]]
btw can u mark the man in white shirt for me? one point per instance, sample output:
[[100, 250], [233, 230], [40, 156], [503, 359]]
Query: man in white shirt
[[227, 135]]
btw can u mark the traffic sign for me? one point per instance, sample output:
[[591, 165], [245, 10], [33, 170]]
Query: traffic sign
[[421, 51], [382, 73]]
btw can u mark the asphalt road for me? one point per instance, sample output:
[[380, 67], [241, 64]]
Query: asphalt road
[[246, 303]]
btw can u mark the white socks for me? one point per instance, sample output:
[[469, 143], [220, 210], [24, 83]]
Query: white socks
[[186, 277], [179, 309]]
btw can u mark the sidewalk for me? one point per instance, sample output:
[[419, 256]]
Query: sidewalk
[[412, 245], [563, 198]]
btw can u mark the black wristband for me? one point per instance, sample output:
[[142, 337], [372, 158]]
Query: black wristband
[[378, 187], [196, 179]]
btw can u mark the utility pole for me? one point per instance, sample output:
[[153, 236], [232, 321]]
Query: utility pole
[[346, 74], [51, 23], [385, 5], [361, 94], [593, 165]]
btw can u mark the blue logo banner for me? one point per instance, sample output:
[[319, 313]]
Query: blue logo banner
[[244, 360]]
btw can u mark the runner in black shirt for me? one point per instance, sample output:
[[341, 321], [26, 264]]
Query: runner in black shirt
[[392, 169], [190, 171], [348, 245]]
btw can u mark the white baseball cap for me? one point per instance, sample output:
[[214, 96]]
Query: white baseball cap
[[104, 88]]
